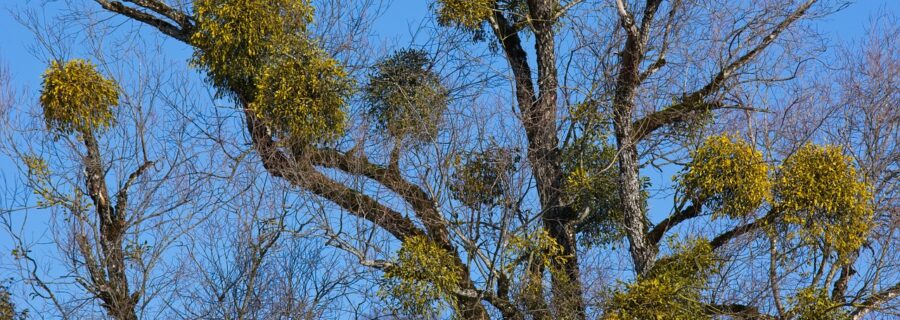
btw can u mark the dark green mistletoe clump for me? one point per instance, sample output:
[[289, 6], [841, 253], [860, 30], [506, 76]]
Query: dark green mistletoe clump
[[588, 163], [481, 178], [406, 98]]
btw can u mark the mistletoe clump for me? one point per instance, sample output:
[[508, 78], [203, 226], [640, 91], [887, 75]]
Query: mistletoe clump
[[467, 14], [423, 277], [406, 98], [729, 175], [260, 51], [482, 177], [590, 186], [235, 39], [819, 190], [530, 249], [77, 98], [671, 289], [301, 98], [815, 304]]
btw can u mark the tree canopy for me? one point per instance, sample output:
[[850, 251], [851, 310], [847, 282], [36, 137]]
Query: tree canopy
[[510, 159]]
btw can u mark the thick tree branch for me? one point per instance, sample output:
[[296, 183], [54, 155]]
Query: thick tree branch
[[95, 179], [518, 59], [738, 231], [627, 18], [664, 226], [540, 123], [507, 308], [183, 20], [729, 69], [306, 177], [423, 205], [670, 115], [182, 34], [650, 9], [664, 48], [642, 252]]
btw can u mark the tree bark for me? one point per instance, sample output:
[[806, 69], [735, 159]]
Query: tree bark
[[110, 283]]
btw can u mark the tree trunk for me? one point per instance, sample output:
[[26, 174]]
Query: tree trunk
[[111, 282]]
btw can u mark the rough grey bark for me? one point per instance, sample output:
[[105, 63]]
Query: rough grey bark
[[627, 82]]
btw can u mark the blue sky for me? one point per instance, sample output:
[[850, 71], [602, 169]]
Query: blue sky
[[395, 24]]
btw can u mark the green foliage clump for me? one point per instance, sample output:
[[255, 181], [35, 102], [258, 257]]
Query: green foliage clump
[[8, 308], [815, 304], [236, 38], [77, 98], [482, 178], [298, 98], [467, 14], [819, 190], [671, 289], [424, 276], [534, 248], [590, 185], [405, 97], [591, 182], [261, 49], [729, 175]]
